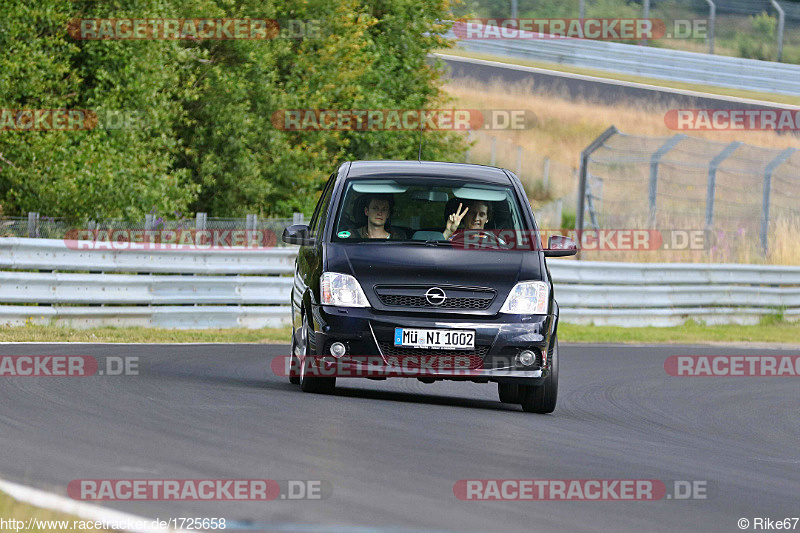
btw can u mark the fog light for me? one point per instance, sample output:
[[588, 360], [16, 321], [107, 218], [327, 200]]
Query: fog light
[[526, 358], [338, 349]]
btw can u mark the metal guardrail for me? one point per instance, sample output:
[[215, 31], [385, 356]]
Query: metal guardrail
[[212, 289], [661, 63]]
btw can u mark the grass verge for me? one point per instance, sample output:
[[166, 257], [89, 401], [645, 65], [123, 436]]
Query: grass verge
[[33, 333], [770, 330], [711, 89], [11, 509]]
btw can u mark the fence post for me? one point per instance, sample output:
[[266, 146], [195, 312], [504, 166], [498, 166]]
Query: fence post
[[201, 221], [149, 222], [585, 154], [712, 179], [654, 162], [494, 152], [582, 9], [712, 20], [297, 218], [519, 161], [513, 9], [646, 15], [469, 149], [546, 172], [781, 22], [774, 164], [33, 224]]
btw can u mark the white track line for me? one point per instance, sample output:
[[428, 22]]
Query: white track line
[[86, 511]]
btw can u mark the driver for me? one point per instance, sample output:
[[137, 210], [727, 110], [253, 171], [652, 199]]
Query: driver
[[378, 210], [477, 214]]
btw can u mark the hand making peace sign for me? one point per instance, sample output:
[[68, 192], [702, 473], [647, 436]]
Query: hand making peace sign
[[454, 220]]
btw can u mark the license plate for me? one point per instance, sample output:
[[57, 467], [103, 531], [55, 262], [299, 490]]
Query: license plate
[[439, 339]]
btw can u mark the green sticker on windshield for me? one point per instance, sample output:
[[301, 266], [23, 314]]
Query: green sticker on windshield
[[343, 234]]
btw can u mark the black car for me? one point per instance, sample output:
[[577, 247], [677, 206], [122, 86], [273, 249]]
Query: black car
[[428, 270]]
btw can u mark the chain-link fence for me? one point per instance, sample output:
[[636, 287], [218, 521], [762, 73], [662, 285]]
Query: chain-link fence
[[36, 225], [732, 189]]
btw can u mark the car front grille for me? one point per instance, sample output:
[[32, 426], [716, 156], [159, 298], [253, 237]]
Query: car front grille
[[457, 298]]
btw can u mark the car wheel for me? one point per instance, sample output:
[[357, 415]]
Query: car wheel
[[508, 392], [312, 383], [542, 398], [294, 363]]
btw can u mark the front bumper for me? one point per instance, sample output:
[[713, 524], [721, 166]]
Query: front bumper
[[369, 338]]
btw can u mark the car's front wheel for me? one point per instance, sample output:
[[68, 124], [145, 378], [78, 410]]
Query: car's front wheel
[[542, 398], [312, 383], [508, 392]]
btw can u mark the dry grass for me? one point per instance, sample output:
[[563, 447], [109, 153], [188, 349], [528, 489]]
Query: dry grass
[[564, 128]]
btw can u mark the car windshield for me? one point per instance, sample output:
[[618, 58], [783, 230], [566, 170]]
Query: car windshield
[[427, 209]]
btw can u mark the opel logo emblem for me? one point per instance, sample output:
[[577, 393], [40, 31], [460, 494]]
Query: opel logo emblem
[[435, 296]]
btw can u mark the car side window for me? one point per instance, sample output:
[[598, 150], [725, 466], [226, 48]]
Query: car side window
[[314, 224], [325, 201]]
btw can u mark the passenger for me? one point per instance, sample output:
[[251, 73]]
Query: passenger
[[378, 209], [477, 215]]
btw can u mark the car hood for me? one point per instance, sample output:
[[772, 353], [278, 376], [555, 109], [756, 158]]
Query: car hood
[[377, 265]]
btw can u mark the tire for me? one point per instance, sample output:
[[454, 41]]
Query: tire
[[294, 363], [312, 383], [542, 398], [509, 392]]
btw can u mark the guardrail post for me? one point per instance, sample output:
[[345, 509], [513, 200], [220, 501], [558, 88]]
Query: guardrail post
[[33, 224], [712, 179], [771, 167], [712, 20], [781, 22], [201, 221], [585, 154], [654, 162]]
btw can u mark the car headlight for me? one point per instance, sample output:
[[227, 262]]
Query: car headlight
[[527, 298], [342, 290]]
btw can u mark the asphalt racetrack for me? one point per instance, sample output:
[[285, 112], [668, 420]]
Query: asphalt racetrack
[[393, 450]]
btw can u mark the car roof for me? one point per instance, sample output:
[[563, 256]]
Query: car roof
[[439, 169]]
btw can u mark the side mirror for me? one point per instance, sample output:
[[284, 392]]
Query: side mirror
[[297, 234], [560, 246]]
